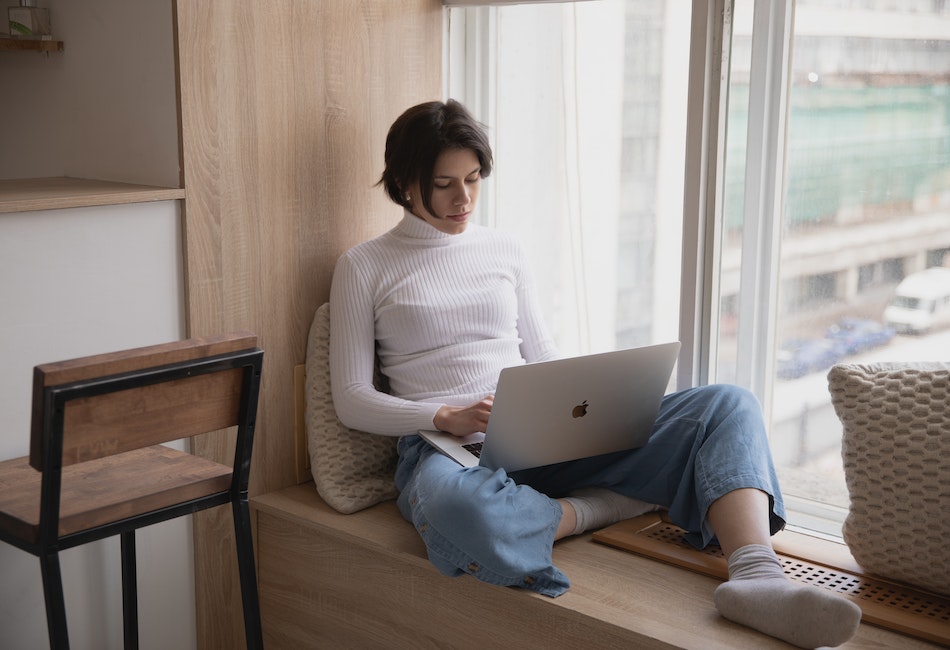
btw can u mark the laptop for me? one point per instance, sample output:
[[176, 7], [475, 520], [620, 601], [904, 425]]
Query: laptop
[[555, 411]]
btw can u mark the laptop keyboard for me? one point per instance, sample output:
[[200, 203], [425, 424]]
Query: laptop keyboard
[[475, 448]]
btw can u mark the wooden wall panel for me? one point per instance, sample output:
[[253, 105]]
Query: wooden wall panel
[[284, 110]]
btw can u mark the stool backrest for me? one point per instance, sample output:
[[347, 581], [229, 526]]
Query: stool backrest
[[116, 402]]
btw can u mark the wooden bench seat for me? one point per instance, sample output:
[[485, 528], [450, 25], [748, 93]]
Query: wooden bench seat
[[362, 580]]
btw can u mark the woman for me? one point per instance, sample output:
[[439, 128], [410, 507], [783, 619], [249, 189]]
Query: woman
[[446, 304]]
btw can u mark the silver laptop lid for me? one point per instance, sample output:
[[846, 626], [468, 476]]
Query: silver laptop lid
[[554, 411]]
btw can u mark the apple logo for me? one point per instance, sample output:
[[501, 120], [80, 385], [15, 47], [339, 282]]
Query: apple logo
[[580, 410]]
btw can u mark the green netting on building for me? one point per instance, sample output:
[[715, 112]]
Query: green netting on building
[[851, 147]]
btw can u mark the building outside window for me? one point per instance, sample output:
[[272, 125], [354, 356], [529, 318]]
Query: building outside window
[[831, 185]]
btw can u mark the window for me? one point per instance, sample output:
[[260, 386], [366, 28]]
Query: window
[[860, 200], [764, 216]]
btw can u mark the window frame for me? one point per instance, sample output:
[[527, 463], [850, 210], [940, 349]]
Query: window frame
[[710, 52], [764, 191], [707, 92]]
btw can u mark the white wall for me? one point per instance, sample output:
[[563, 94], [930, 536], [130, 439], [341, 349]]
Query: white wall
[[77, 282]]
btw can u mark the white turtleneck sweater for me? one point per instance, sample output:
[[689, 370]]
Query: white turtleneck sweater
[[445, 313]]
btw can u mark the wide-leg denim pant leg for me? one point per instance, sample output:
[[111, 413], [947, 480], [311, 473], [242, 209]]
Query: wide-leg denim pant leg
[[707, 441], [479, 521]]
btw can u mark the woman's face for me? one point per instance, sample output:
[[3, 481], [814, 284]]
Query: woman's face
[[456, 180]]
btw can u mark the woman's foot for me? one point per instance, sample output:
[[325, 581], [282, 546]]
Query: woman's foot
[[759, 596]]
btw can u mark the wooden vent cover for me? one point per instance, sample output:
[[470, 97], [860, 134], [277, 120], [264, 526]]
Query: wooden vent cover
[[887, 604]]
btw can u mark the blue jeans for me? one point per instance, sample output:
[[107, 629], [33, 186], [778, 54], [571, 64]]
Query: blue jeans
[[500, 527]]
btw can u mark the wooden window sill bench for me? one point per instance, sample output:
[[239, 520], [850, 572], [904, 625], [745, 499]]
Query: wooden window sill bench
[[363, 580]]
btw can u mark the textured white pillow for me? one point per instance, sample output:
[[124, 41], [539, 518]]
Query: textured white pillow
[[896, 452], [352, 469]]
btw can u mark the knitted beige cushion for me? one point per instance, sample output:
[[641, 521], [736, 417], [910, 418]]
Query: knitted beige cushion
[[896, 451], [352, 469]]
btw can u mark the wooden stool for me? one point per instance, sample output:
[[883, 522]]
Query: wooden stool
[[97, 467]]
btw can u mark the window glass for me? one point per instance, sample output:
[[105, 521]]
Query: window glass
[[866, 205], [585, 103]]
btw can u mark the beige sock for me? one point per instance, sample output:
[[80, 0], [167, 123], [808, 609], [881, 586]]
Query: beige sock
[[760, 596], [599, 507]]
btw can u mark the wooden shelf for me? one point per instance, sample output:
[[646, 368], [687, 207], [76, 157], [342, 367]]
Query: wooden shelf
[[29, 45], [22, 195]]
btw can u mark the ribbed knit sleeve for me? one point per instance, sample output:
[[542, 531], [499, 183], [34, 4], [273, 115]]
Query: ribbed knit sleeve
[[443, 313], [352, 360]]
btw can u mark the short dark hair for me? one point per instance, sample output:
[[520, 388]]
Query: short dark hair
[[416, 139]]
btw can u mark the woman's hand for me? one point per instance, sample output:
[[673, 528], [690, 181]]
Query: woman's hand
[[462, 420]]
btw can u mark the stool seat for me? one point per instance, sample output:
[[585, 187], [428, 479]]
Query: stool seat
[[108, 489]]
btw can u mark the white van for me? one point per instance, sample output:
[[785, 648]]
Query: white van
[[921, 302]]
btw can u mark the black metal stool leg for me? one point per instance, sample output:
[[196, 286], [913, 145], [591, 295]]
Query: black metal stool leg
[[55, 601], [130, 606], [245, 552]]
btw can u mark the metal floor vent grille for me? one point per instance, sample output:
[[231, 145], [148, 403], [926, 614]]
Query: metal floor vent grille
[[890, 605]]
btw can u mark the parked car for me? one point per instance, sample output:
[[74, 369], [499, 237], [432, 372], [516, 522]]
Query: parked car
[[798, 357], [855, 335]]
